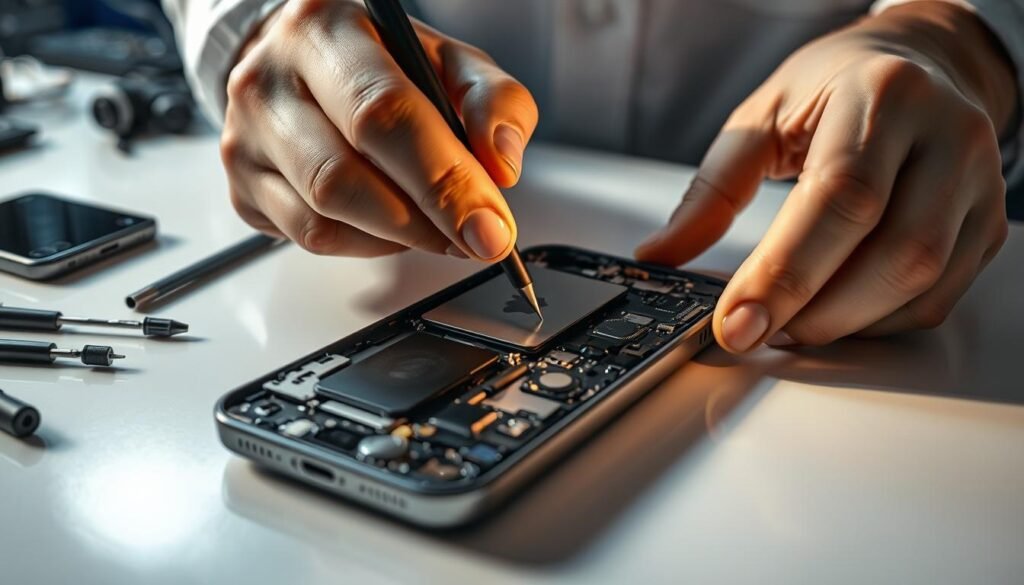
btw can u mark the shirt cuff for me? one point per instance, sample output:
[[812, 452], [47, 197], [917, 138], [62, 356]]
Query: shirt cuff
[[210, 50], [1005, 19]]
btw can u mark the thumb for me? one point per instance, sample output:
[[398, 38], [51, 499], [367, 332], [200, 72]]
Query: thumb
[[726, 181], [499, 112]]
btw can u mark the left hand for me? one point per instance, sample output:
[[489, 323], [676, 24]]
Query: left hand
[[891, 125]]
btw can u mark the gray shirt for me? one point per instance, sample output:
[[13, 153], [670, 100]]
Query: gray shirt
[[655, 78]]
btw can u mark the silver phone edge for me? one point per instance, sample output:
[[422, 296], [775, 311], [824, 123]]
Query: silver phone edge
[[45, 270]]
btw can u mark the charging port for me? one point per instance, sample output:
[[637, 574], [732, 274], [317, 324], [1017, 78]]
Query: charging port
[[110, 248], [318, 471]]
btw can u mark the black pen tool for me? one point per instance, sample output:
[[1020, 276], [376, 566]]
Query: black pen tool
[[395, 29], [42, 352], [42, 320]]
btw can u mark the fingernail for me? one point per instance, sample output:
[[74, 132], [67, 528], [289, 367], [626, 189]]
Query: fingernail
[[455, 251], [486, 233], [510, 145], [744, 325], [780, 339]]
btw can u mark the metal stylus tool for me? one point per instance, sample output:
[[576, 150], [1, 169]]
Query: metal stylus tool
[[400, 38]]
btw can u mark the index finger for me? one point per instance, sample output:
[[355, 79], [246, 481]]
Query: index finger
[[386, 118], [838, 199]]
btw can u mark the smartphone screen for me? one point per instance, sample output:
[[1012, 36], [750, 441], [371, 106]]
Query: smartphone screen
[[39, 226]]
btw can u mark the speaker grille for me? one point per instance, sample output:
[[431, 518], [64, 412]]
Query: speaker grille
[[259, 450]]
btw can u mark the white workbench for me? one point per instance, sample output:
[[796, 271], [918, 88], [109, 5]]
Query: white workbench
[[894, 461]]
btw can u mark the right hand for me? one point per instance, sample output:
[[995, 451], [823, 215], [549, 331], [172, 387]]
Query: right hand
[[326, 142]]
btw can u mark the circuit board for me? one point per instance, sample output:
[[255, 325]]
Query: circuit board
[[432, 402]]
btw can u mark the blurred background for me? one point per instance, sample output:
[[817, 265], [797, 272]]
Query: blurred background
[[131, 40], [105, 36]]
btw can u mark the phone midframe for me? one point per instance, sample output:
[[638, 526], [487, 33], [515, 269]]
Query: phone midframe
[[442, 504]]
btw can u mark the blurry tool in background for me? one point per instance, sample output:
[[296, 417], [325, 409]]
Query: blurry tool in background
[[12, 134], [107, 36], [22, 20], [26, 79], [144, 103]]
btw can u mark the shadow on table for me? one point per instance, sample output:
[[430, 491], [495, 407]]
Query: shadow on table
[[556, 517], [28, 451]]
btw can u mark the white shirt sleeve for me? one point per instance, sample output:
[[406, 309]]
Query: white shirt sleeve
[[1005, 18], [210, 34]]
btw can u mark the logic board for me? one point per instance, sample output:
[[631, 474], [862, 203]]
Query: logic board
[[431, 406]]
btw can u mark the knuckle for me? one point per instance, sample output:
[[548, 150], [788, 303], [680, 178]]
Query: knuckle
[[327, 186], [298, 13], [247, 80], [318, 236], [381, 106], [851, 198], [914, 265], [927, 315], [785, 279], [231, 151], [511, 91], [899, 78], [977, 128], [449, 186]]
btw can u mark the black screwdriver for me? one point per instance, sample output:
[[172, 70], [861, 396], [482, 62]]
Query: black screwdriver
[[41, 320], [16, 417], [42, 352], [399, 37]]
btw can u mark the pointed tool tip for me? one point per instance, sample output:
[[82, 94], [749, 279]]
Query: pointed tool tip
[[531, 297]]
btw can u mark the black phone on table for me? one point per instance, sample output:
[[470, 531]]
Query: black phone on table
[[437, 413], [43, 236]]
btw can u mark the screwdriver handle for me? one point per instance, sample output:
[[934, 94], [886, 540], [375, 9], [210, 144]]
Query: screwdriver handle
[[33, 319], [19, 350]]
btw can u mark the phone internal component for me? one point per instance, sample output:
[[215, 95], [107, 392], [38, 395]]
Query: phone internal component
[[299, 427], [382, 447], [514, 427], [463, 419], [360, 416], [566, 299], [514, 401], [300, 384], [405, 374]]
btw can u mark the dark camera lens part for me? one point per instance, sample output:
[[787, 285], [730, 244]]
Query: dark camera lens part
[[43, 252], [16, 417]]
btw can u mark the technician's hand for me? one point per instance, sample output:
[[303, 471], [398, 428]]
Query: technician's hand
[[326, 141], [891, 125]]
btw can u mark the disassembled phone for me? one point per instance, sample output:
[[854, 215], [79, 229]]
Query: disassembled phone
[[43, 236], [440, 411]]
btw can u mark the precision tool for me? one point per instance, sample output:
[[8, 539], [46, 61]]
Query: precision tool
[[41, 352], [192, 274], [41, 320], [16, 417], [395, 29]]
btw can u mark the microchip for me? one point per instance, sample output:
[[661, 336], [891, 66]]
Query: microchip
[[406, 374], [463, 419], [496, 311]]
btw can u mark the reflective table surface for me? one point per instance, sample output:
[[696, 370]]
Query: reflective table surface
[[889, 461]]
